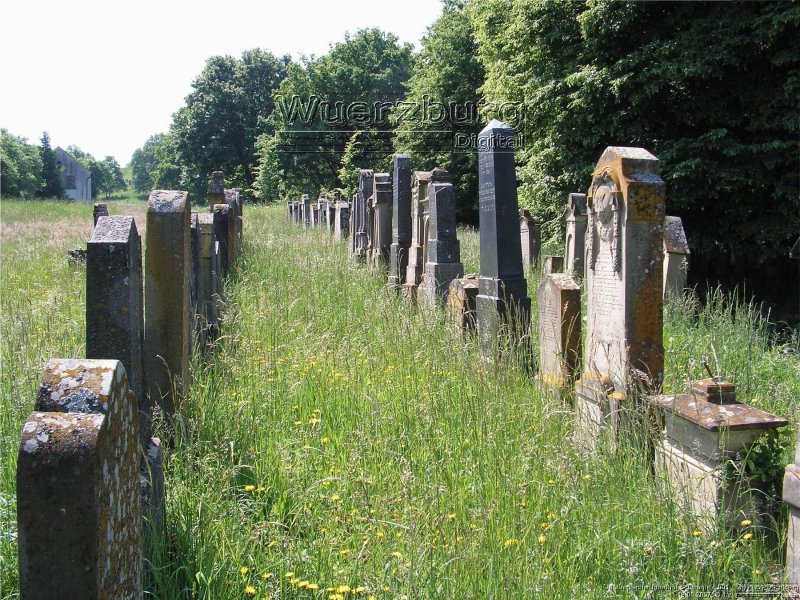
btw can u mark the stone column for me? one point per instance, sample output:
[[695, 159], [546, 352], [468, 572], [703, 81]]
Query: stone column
[[78, 499], [401, 220], [443, 249], [167, 296], [575, 243], [530, 233], [676, 256], [503, 292], [208, 272], [559, 300]]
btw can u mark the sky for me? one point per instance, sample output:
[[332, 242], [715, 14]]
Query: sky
[[105, 76]]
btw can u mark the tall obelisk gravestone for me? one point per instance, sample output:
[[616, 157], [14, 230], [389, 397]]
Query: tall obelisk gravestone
[[502, 290], [401, 220]]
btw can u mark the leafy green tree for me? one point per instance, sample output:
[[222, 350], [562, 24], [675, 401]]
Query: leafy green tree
[[270, 181], [143, 164], [325, 100], [52, 185], [20, 167], [439, 121], [117, 179], [168, 173]]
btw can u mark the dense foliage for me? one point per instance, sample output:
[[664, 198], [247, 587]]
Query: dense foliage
[[20, 167]]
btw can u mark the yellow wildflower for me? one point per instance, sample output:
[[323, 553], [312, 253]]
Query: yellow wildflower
[[289, 574], [397, 554], [298, 423], [542, 538], [451, 517], [746, 523], [261, 489], [249, 591], [510, 542], [697, 533], [325, 440], [344, 552], [343, 589], [312, 587], [266, 575], [359, 590], [243, 570], [552, 516], [747, 536], [249, 488], [303, 584], [380, 533], [272, 544]]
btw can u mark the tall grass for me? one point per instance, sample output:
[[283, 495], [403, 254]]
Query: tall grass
[[340, 439]]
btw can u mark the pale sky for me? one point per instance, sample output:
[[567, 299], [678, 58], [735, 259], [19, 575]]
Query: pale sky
[[106, 75]]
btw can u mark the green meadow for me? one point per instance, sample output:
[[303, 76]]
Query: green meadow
[[338, 442]]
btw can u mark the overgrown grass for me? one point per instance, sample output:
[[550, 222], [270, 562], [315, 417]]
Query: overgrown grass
[[339, 437]]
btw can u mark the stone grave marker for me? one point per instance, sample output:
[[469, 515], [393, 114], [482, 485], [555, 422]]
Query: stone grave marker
[[234, 226], [559, 299], [78, 496], [306, 209], [224, 230], [676, 256], [197, 315], [443, 249], [359, 214], [341, 227], [575, 242], [381, 205], [209, 266], [624, 315], [401, 220], [461, 302], [530, 233], [167, 296], [99, 210], [552, 263], [216, 188], [791, 496], [503, 291]]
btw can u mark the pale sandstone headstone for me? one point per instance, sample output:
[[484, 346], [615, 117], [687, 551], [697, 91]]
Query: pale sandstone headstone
[[530, 233], [575, 242], [552, 263], [461, 303], [78, 497], [341, 227], [381, 238], [676, 256], [623, 276], [559, 299], [167, 296], [791, 496]]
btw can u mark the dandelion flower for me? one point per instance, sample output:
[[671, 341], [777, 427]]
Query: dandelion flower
[[747, 536], [380, 533], [272, 544], [552, 516], [746, 523], [343, 589], [359, 590], [261, 489], [249, 488], [303, 584], [542, 538], [587, 477], [510, 542], [697, 533], [266, 575], [397, 554], [325, 440], [344, 552], [244, 570], [312, 587], [451, 517], [289, 574], [249, 591]]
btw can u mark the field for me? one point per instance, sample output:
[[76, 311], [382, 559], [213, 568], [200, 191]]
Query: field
[[340, 443]]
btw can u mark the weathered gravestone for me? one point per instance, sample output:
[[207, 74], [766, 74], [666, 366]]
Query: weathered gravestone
[[330, 214], [791, 496], [359, 227], [552, 263], [216, 188], [676, 256], [209, 266], [224, 231], [306, 211], [235, 229], [401, 220], [530, 233], [197, 316], [78, 497], [381, 210], [289, 209], [167, 296], [559, 299], [99, 210], [575, 243], [705, 431], [341, 226], [114, 304], [461, 303], [443, 251], [502, 300], [624, 316], [239, 196]]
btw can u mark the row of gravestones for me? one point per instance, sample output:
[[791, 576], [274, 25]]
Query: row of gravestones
[[627, 254], [90, 484]]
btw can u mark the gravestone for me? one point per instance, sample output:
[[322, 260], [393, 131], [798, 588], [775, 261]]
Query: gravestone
[[359, 214], [559, 299], [167, 296], [114, 304], [461, 303], [676, 256], [575, 243], [197, 316], [306, 210], [216, 188], [416, 257], [705, 431], [443, 249], [341, 227], [624, 316], [502, 300], [791, 496], [289, 209], [381, 204], [239, 195], [530, 233], [209, 266], [330, 214], [100, 210], [401, 220], [234, 225], [223, 232], [552, 263], [78, 496]]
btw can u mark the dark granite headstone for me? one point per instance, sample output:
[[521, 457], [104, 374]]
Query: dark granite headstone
[[209, 266], [401, 220], [360, 227], [503, 291], [381, 205], [100, 210], [223, 226], [443, 261], [216, 188]]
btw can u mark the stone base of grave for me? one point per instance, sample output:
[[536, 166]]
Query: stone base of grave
[[461, 303], [791, 496], [409, 291], [398, 264], [597, 409], [493, 312], [436, 283]]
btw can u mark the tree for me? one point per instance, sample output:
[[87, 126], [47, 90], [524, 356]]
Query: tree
[[144, 163], [117, 179], [52, 185], [439, 121], [20, 166]]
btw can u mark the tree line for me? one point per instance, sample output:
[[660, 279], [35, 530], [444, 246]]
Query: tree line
[[30, 171], [710, 88]]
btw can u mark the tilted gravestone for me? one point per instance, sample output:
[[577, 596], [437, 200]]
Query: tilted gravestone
[[530, 233], [676, 256], [209, 267], [559, 299], [99, 210], [341, 227], [381, 205], [114, 303], [461, 303], [78, 495], [624, 315], [575, 242], [167, 296], [502, 301], [443, 249], [401, 220]]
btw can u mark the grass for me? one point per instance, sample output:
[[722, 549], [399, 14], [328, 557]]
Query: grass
[[340, 438]]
